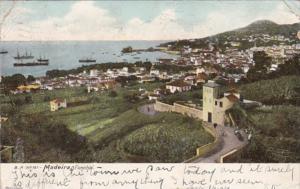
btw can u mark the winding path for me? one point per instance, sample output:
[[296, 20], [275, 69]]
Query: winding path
[[228, 140]]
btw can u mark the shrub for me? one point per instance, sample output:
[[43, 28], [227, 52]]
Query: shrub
[[28, 99], [112, 94], [46, 98]]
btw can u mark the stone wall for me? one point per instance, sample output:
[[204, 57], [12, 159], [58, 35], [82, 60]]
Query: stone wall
[[163, 107], [179, 108], [189, 111]]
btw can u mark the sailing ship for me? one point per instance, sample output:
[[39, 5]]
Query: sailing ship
[[39, 62], [25, 56]]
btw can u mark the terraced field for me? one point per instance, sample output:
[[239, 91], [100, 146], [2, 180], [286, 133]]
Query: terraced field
[[111, 123]]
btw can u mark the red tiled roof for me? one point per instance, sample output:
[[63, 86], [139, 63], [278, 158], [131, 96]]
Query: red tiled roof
[[232, 90], [179, 83], [202, 76], [58, 101], [232, 98]]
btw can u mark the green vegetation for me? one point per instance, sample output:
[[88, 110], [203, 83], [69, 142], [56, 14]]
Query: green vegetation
[[275, 128], [195, 96], [171, 138], [262, 64], [92, 127], [256, 28], [283, 90], [45, 140], [276, 134], [260, 70]]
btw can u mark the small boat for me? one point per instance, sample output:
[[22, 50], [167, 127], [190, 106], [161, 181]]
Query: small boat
[[87, 60], [40, 59], [31, 64], [136, 57]]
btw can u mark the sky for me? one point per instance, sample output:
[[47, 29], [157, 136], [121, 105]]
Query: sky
[[135, 20]]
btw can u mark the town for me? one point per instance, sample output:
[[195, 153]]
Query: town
[[203, 84]]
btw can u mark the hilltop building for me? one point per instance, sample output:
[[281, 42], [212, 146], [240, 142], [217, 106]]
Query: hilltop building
[[215, 104], [57, 104]]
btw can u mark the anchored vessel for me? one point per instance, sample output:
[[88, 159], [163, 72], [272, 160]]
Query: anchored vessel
[[25, 56], [31, 64], [40, 59], [3, 51], [87, 60]]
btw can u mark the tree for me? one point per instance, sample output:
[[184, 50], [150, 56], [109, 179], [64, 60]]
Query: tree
[[260, 70], [30, 78], [131, 97], [28, 99], [125, 80], [11, 82], [46, 98], [291, 67]]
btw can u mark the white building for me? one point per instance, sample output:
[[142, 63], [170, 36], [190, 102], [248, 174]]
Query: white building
[[178, 86], [154, 72], [94, 73]]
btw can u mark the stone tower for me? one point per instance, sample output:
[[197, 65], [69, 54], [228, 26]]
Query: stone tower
[[211, 91]]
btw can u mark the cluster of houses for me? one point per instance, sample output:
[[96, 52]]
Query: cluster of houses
[[236, 62], [206, 64], [279, 53], [235, 41]]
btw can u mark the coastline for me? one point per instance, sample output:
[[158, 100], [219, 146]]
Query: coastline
[[64, 55]]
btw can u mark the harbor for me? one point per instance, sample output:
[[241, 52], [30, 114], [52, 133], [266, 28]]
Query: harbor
[[66, 55]]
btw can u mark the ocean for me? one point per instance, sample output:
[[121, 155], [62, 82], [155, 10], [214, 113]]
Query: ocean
[[65, 54]]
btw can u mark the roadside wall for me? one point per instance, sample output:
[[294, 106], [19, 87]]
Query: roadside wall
[[179, 108], [191, 112], [163, 107], [231, 156]]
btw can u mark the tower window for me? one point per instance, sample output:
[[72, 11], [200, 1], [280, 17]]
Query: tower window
[[221, 104], [216, 103]]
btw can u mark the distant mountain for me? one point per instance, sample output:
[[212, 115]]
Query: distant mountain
[[266, 27], [254, 29]]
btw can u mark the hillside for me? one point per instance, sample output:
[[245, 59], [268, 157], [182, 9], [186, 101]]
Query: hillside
[[282, 90], [275, 125], [264, 27], [275, 132], [94, 126], [242, 35]]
